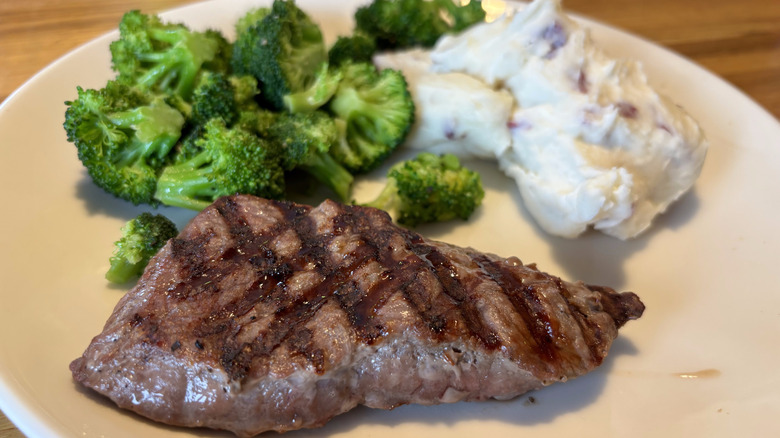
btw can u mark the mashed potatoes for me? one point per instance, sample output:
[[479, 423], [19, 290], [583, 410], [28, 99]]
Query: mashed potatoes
[[587, 140]]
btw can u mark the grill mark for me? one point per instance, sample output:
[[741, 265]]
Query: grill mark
[[526, 302], [291, 314], [193, 269], [394, 278], [273, 273], [349, 295], [360, 305], [239, 228], [401, 275], [302, 342], [248, 247], [433, 318], [200, 277], [292, 317], [591, 332], [452, 286]]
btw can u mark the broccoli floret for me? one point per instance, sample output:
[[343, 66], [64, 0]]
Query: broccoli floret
[[462, 16], [375, 110], [123, 137], [164, 57], [257, 121], [305, 139], [221, 61], [399, 24], [357, 47], [326, 82], [217, 95], [430, 188], [250, 18], [141, 238], [245, 91], [213, 97], [283, 51], [231, 160]]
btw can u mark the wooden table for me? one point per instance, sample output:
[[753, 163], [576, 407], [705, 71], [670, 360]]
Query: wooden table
[[739, 41]]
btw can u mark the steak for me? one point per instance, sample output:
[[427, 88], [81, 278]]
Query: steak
[[266, 315]]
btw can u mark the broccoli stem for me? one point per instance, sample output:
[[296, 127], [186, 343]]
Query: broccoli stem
[[166, 71], [329, 172], [388, 197], [325, 85], [308, 100], [180, 63], [187, 184], [121, 270]]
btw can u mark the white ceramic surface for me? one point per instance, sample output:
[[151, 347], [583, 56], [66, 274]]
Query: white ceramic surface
[[701, 362]]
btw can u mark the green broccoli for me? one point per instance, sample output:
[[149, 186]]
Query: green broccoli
[[357, 47], [283, 51], [229, 160], [250, 18], [165, 57], [396, 24], [123, 137], [141, 238], [375, 110], [318, 93], [220, 62], [430, 188], [245, 91], [212, 97], [217, 95], [305, 139], [462, 16]]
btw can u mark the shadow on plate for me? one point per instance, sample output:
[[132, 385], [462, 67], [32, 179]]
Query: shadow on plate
[[599, 259], [98, 202], [592, 257]]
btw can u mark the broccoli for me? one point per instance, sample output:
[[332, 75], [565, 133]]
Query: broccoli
[[305, 139], [220, 62], [397, 24], [217, 95], [141, 238], [165, 57], [123, 137], [283, 51], [250, 18], [228, 161], [212, 97], [357, 47], [244, 92], [462, 16], [317, 94], [430, 188], [375, 111]]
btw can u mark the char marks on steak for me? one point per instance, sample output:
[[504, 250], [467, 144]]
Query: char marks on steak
[[265, 315]]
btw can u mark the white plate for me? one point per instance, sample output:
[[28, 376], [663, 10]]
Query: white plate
[[702, 362]]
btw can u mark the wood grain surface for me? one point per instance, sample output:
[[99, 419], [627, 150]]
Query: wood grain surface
[[738, 41]]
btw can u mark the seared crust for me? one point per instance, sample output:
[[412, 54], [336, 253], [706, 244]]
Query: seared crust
[[265, 315]]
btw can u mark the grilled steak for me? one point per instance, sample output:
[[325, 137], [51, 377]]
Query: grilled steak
[[265, 315]]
